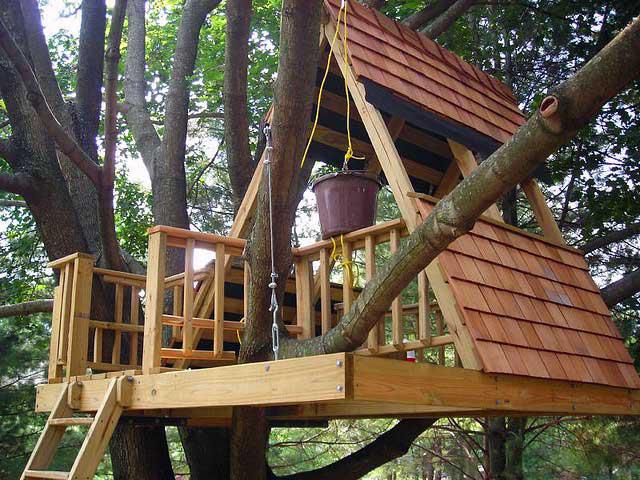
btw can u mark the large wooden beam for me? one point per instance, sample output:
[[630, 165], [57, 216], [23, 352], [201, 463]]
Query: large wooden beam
[[541, 210], [393, 388]]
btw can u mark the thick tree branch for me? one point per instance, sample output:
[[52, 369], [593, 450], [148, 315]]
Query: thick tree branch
[[622, 289], [19, 183], [611, 237], [63, 139], [561, 115], [421, 18], [26, 308], [138, 119], [442, 23], [392, 444], [90, 70], [112, 59], [236, 125], [6, 149]]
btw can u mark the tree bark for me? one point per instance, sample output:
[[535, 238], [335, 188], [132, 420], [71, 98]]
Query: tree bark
[[421, 18], [26, 308], [141, 453], [442, 23], [236, 116]]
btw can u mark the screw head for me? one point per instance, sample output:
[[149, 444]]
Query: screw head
[[154, 392], [339, 388], [339, 363], [267, 368], [129, 378]]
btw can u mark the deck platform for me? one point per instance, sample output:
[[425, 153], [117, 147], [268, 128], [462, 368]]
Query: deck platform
[[349, 386]]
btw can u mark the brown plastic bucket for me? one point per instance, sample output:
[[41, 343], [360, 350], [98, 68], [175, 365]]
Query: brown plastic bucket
[[347, 201]]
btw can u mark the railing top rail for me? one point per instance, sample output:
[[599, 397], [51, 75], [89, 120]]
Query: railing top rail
[[117, 273], [375, 230], [201, 237], [60, 262]]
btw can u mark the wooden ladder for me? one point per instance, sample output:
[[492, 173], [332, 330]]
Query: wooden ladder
[[101, 427]]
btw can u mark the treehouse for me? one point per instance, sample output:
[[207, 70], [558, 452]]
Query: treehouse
[[502, 322]]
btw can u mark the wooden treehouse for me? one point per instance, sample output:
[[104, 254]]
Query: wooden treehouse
[[503, 322]]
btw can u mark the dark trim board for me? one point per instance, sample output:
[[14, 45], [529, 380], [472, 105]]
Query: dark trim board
[[386, 101]]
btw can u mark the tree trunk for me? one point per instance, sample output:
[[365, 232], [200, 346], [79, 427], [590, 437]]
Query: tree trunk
[[140, 453]]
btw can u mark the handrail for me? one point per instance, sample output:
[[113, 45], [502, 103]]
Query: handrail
[[356, 238], [176, 237]]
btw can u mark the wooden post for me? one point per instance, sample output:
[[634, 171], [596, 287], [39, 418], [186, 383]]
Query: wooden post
[[156, 269], [373, 340], [218, 311], [424, 309], [440, 330], [397, 328], [347, 278], [79, 316], [135, 320], [177, 310], [117, 334], [55, 368], [541, 210], [187, 309], [65, 314], [305, 313], [324, 274]]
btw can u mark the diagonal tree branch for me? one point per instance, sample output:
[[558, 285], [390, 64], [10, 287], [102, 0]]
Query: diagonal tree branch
[[442, 23], [63, 139], [393, 443], [6, 149], [622, 289], [421, 18], [611, 237], [26, 308], [559, 118], [18, 183]]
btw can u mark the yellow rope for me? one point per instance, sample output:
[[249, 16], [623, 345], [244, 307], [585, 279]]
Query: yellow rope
[[346, 263], [342, 18], [243, 320]]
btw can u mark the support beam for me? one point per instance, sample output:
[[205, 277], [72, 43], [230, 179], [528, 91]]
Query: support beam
[[541, 210], [350, 381]]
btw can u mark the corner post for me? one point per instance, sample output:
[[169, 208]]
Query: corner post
[[155, 301], [78, 345]]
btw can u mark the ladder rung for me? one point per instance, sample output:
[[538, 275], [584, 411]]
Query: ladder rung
[[71, 421], [46, 474]]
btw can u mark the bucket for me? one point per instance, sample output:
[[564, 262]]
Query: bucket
[[346, 201]]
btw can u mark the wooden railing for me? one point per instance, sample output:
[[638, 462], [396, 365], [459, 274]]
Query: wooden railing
[[72, 322], [113, 341], [352, 250]]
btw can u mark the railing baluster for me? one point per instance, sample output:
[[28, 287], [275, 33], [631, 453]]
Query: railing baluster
[[397, 330], [156, 267], [177, 310], [187, 309], [373, 341], [97, 345], [440, 330], [324, 274], [135, 320], [218, 316], [305, 313], [348, 279], [424, 309], [117, 334]]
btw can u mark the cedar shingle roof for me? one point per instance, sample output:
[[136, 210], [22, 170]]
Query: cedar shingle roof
[[418, 70], [532, 308]]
